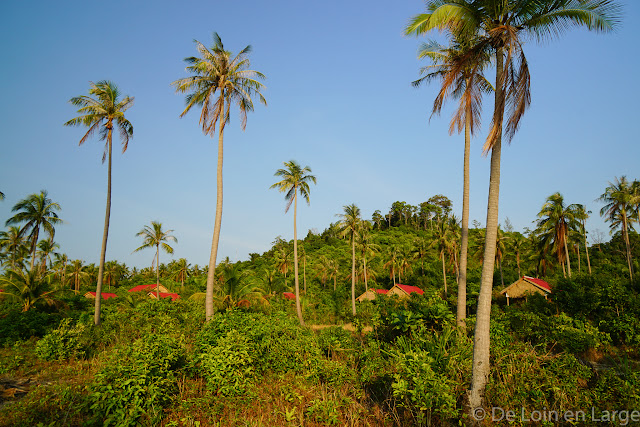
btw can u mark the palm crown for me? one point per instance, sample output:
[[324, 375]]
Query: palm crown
[[103, 109], [216, 71]]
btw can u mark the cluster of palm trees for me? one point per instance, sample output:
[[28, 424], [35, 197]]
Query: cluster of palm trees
[[494, 32]]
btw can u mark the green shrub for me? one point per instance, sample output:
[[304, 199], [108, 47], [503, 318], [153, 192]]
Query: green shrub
[[137, 381], [228, 366], [18, 326], [66, 341]]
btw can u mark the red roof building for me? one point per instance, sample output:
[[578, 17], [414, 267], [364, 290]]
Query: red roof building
[[289, 295], [104, 295], [171, 295], [404, 291], [148, 288]]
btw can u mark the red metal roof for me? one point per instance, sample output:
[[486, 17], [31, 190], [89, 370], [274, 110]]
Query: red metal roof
[[539, 282], [105, 295], [142, 288], [289, 295], [168, 295], [408, 289], [381, 291]]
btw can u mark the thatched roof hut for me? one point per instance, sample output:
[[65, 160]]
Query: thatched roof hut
[[526, 286], [371, 294]]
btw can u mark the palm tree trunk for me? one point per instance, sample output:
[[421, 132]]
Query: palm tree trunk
[[481, 347], [366, 287], [218, 220], [625, 232], [105, 234], [34, 244], [295, 257], [586, 248], [444, 274], [353, 273], [158, 272], [464, 240], [566, 253], [578, 249]]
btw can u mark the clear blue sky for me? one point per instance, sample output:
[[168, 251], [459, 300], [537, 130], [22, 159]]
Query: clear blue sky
[[340, 101]]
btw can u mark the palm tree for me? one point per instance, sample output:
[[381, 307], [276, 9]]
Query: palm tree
[[393, 253], [219, 80], [518, 242], [101, 111], [350, 226], [295, 179], [442, 242], [181, 271], [46, 248], [499, 27], [30, 288], [282, 262], [367, 247], [60, 263], [154, 236], [555, 223], [37, 211], [620, 202], [77, 274], [13, 243], [461, 76]]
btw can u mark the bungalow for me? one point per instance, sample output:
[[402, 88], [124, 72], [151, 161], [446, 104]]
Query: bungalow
[[404, 291], [289, 295], [371, 294], [526, 286], [105, 295], [151, 287], [164, 295]]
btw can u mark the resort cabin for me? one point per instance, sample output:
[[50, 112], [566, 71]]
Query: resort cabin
[[148, 288], [404, 291], [104, 295], [371, 294], [289, 295], [163, 295], [526, 286]]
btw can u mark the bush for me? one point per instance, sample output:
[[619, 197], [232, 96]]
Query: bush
[[18, 326], [137, 381], [228, 366], [64, 342]]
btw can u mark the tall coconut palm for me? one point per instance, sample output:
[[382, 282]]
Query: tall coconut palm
[[461, 74], [101, 111], [500, 27], [619, 200], [154, 236], [295, 179], [37, 211], [219, 80], [350, 227]]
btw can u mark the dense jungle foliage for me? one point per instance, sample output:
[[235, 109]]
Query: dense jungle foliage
[[398, 362]]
